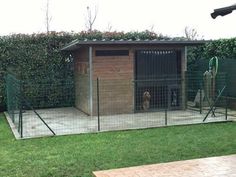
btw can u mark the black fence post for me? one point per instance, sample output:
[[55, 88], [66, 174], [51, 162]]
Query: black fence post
[[200, 102], [21, 107], [186, 89], [98, 106], [21, 121], [226, 108], [226, 98], [165, 117]]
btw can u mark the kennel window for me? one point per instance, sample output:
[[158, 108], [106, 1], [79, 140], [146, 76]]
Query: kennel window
[[112, 52]]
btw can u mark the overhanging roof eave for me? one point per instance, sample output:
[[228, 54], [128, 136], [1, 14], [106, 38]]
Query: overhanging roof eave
[[76, 44]]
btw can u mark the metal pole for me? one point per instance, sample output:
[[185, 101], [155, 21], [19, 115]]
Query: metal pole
[[226, 107], [165, 117], [21, 121], [214, 103], [20, 114], [200, 101], [91, 80], [184, 81], [98, 102], [31, 107], [226, 98]]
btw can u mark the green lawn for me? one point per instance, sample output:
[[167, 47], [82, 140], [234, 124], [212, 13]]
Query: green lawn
[[79, 155]]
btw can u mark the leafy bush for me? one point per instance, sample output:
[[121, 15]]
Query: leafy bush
[[222, 48], [225, 50], [37, 59]]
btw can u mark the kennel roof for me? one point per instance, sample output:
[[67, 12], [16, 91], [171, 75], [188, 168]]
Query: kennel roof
[[79, 43]]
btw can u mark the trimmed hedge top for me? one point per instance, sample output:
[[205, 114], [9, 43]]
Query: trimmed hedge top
[[144, 35]]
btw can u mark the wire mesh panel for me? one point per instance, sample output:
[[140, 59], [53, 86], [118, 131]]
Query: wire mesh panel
[[51, 108], [119, 109], [32, 105], [45, 106], [207, 95], [160, 102], [13, 91], [164, 93]]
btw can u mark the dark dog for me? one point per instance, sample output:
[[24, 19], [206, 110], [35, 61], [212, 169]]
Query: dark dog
[[146, 100]]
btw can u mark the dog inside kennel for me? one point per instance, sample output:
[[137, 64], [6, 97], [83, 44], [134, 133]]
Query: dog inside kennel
[[157, 80]]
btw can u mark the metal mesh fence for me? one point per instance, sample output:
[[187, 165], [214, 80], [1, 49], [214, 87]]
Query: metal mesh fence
[[49, 108], [13, 86]]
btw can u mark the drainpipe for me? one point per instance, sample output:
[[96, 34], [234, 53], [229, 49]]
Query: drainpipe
[[91, 80]]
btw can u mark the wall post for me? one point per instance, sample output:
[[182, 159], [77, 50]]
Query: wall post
[[183, 76], [91, 80]]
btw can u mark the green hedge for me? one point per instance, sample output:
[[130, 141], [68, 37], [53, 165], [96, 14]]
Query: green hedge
[[225, 50], [37, 59], [222, 48], [34, 58]]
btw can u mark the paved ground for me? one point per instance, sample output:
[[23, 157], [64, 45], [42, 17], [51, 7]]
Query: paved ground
[[224, 166], [70, 120]]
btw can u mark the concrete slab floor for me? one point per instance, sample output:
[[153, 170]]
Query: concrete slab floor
[[224, 166], [69, 120]]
